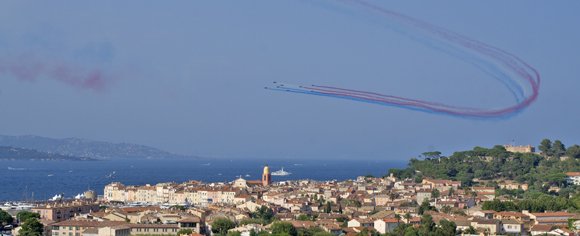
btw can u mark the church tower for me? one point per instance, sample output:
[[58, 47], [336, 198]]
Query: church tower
[[266, 177]]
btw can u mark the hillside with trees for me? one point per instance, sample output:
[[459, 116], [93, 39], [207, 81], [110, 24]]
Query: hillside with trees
[[488, 167]]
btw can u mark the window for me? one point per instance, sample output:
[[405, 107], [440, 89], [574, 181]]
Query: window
[[77, 228]]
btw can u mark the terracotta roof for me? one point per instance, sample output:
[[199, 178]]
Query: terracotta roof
[[561, 213], [151, 226], [194, 219], [91, 231], [542, 228], [573, 174], [76, 223]]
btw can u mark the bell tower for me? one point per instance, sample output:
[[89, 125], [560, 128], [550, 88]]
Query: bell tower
[[266, 177]]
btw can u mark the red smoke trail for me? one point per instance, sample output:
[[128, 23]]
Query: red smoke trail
[[30, 68]]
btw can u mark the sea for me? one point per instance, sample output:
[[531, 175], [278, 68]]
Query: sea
[[41, 180]]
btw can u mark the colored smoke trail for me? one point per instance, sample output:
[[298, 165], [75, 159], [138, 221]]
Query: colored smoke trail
[[30, 68], [518, 77]]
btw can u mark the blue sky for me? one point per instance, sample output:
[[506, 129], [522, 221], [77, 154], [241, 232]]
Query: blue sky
[[189, 77]]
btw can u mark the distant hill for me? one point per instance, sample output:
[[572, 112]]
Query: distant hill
[[27, 154], [87, 148]]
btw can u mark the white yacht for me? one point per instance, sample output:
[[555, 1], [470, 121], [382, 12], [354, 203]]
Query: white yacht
[[281, 172]]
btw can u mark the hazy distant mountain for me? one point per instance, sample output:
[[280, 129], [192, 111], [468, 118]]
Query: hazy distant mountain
[[28, 154], [86, 148]]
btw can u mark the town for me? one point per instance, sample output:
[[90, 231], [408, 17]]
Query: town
[[448, 204]]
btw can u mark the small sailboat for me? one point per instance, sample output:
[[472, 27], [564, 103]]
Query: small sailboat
[[49, 175]]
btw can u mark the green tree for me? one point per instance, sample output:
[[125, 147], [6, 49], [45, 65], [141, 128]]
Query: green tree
[[573, 151], [418, 180], [103, 207], [545, 146], [435, 193], [184, 231], [222, 225], [323, 233], [179, 207], [302, 217], [31, 227], [23, 216], [471, 230], [558, 146], [234, 233], [284, 227], [5, 218], [451, 191], [392, 196], [446, 209], [328, 207], [408, 217], [252, 232], [340, 209], [368, 176]]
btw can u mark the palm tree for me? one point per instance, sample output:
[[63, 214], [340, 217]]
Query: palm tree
[[398, 217], [392, 196], [473, 194], [408, 218], [451, 191]]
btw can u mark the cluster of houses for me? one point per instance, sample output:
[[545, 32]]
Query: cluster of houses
[[377, 204]]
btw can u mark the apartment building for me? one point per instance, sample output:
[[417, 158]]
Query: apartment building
[[64, 211]]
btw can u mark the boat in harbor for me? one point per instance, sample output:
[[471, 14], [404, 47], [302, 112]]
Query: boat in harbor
[[281, 172], [112, 175]]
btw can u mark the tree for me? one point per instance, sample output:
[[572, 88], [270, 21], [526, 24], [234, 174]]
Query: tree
[[435, 193], [328, 207], [368, 176], [234, 233], [446, 209], [184, 231], [392, 196], [264, 213], [23, 216], [340, 209], [425, 206], [474, 195], [471, 230], [398, 217], [222, 225], [323, 233], [573, 151], [451, 191], [103, 207], [284, 227], [418, 180], [302, 217], [5, 218], [31, 228], [558, 146], [545, 146], [404, 204], [408, 217], [179, 207]]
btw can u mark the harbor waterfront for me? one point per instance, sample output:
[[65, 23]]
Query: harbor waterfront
[[43, 180]]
